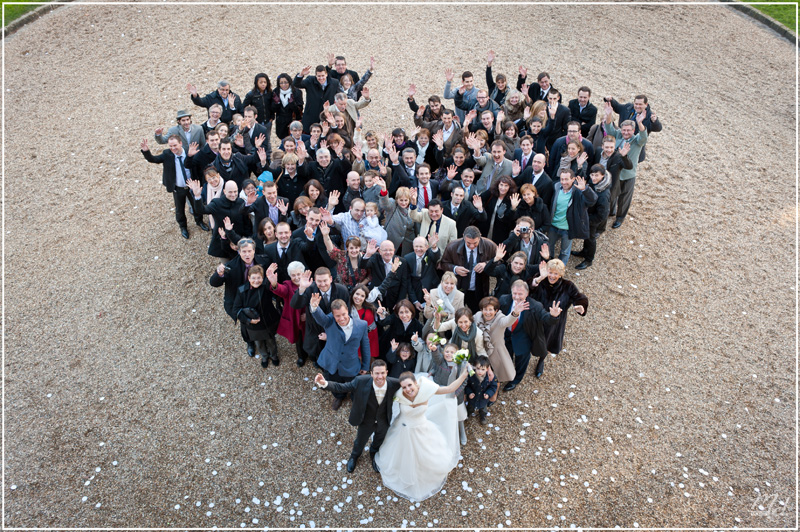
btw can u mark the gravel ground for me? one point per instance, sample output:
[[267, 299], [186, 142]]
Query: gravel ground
[[672, 405]]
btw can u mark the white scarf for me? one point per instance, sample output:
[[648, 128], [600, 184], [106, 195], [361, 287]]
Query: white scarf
[[427, 389], [421, 152], [212, 193], [447, 300], [285, 95]]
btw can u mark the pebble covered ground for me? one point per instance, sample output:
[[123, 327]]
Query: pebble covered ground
[[130, 401]]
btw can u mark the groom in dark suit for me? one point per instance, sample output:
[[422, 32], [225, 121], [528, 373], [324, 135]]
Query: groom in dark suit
[[372, 407]]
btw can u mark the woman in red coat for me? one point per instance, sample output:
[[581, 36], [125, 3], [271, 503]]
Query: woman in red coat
[[365, 311], [292, 322]]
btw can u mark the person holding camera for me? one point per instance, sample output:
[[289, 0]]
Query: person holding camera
[[533, 243]]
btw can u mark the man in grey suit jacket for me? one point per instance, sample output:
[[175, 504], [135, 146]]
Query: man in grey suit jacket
[[492, 166], [187, 131], [339, 358]]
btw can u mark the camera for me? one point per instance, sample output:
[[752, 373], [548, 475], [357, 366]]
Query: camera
[[227, 270], [524, 229]]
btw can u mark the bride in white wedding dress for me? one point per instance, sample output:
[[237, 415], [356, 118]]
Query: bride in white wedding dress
[[421, 446]]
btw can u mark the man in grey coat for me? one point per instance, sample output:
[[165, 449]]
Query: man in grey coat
[[187, 132]]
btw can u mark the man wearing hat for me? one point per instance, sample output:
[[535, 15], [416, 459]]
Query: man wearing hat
[[187, 131]]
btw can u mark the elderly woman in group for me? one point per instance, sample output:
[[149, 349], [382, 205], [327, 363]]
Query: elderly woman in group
[[452, 299], [399, 225], [292, 321], [492, 325], [551, 287], [291, 182], [347, 263]]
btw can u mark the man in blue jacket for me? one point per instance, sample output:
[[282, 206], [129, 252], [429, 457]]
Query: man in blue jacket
[[339, 358]]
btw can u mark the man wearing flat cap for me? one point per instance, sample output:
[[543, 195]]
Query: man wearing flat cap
[[187, 131]]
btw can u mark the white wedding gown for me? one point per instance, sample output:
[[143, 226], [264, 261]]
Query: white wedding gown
[[421, 446]]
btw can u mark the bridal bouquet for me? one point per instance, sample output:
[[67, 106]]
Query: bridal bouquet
[[461, 356], [436, 339]]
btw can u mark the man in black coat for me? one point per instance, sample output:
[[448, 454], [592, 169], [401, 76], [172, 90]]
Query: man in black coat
[[387, 285], [598, 213], [312, 244], [320, 93], [323, 284], [422, 265], [536, 91], [234, 274], [560, 116], [462, 211], [614, 160], [175, 177], [559, 147], [533, 243], [337, 67], [372, 407], [237, 167], [526, 337], [630, 111], [253, 133], [467, 257], [535, 175], [199, 159], [284, 251], [583, 110], [270, 205], [224, 96]]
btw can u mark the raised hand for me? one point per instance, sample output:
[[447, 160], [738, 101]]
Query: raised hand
[[477, 202], [395, 344], [426, 296], [282, 206], [324, 228], [191, 88], [448, 74], [452, 171], [551, 110], [305, 281], [501, 252], [272, 273], [333, 198], [544, 251], [523, 307], [608, 111], [302, 153], [412, 90], [490, 57], [159, 130], [144, 146], [231, 100], [625, 149], [320, 381], [582, 158], [580, 182], [420, 112], [526, 113], [262, 155], [228, 223], [579, 309], [555, 309], [382, 171], [358, 123], [325, 129], [515, 167], [356, 150], [331, 59], [306, 71], [396, 264], [515, 199], [238, 140], [372, 64], [543, 269], [500, 116], [195, 186], [329, 118], [523, 71], [315, 299], [433, 239], [392, 151], [381, 310], [365, 93], [653, 116], [260, 140], [470, 116], [438, 138]]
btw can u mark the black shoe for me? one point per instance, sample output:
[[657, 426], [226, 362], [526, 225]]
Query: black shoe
[[251, 349], [583, 265], [337, 402], [580, 253], [185, 233], [300, 362], [540, 367], [374, 464], [203, 226], [616, 224], [275, 360], [508, 387], [482, 416], [351, 463]]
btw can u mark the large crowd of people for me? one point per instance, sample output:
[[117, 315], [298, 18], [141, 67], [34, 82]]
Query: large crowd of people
[[407, 248]]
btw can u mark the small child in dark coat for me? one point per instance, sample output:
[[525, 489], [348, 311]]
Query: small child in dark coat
[[480, 388], [401, 358]]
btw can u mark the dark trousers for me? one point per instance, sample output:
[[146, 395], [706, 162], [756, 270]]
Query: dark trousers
[[378, 428], [335, 377], [625, 198], [471, 300], [521, 360], [179, 195], [590, 244]]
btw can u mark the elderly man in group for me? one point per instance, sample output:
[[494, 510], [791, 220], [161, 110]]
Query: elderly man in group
[[188, 132], [349, 109], [224, 96], [467, 257]]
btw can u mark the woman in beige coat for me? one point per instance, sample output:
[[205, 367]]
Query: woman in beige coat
[[492, 323], [451, 298]]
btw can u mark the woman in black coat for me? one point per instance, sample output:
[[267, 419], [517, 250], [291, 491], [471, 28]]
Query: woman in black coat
[[257, 315], [532, 205], [506, 273], [399, 326], [230, 206], [551, 287], [286, 105], [500, 203], [260, 98]]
